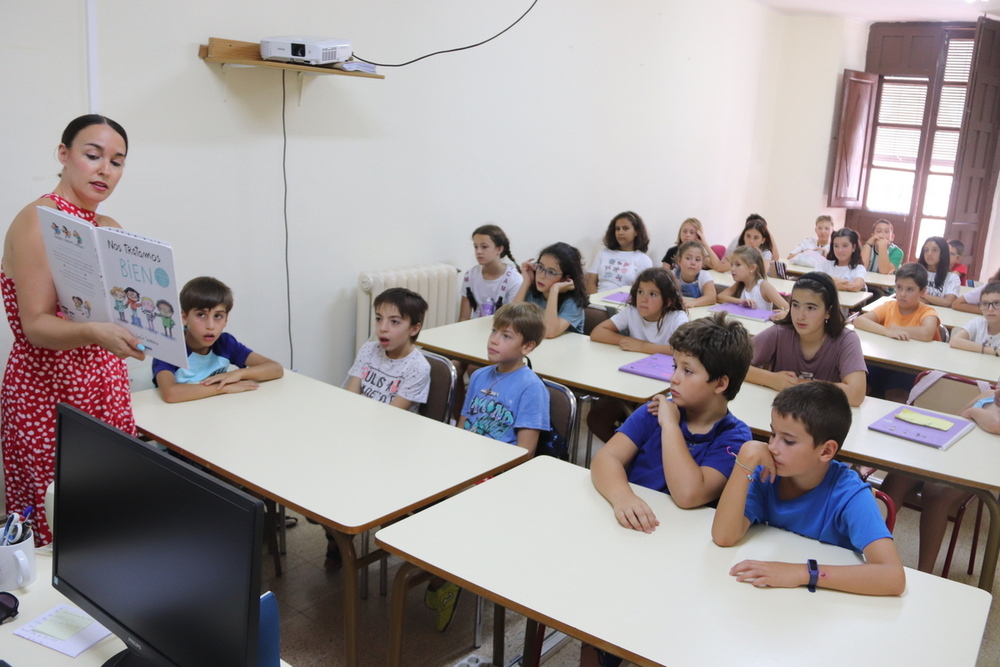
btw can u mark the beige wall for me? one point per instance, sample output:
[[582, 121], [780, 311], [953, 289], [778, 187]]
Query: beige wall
[[583, 110]]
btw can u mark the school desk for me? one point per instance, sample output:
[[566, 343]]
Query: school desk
[[872, 277], [542, 541], [347, 461], [972, 463], [36, 599], [948, 316], [847, 299], [571, 359]]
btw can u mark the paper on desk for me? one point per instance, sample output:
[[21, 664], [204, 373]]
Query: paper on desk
[[65, 629], [921, 419]]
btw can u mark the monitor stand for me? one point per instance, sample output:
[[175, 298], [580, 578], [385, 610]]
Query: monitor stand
[[127, 658]]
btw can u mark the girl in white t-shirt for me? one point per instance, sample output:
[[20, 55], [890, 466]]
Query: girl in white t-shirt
[[492, 282], [750, 287], [843, 262], [942, 284], [756, 235], [655, 309], [623, 256]]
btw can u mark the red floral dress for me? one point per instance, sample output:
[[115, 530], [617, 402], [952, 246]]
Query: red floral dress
[[36, 379]]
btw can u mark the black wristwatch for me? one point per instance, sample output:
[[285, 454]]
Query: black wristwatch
[[813, 574]]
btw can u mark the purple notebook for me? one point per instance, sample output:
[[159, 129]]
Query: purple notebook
[[657, 366], [925, 435], [737, 310], [617, 297]]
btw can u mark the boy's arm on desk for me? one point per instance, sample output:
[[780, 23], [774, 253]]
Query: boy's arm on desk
[[607, 471]]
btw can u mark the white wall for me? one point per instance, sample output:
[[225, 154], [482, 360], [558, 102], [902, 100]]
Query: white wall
[[584, 109]]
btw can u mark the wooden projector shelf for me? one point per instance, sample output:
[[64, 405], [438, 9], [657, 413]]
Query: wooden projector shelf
[[232, 52]]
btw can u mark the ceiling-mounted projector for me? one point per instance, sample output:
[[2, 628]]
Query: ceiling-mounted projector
[[305, 50]]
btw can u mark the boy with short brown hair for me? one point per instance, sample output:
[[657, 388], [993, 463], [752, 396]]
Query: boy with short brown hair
[[792, 482]]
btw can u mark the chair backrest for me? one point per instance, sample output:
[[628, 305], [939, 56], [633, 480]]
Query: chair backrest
[[719, 250], [441, 395], [887, 507], [562, 409], [592, 316], [949, 393], [944, 332]]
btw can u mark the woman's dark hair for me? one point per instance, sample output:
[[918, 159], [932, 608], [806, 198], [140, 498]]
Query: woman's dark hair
[[571, 264], [760, 224], [855, 241], [944, 261], [821, 284], [641, 242], [81, 122], [666, 284], [499, 239]]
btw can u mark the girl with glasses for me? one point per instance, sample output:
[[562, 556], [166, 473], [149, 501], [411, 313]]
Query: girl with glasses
[[555, 282]]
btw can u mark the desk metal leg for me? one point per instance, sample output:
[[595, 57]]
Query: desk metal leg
[[499, 633], [992, 540], [407, 576], [352, 563]]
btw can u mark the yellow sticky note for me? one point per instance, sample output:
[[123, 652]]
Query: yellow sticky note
[[921, 419], [64, 624]]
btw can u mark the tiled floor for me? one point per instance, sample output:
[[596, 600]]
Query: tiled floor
[[310, 601]]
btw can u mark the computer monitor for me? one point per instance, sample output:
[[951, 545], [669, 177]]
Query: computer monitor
[[157, 551]]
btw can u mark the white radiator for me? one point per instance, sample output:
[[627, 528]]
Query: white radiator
[[437, 283]]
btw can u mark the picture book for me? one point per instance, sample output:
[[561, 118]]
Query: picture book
[[105, 274], [737, 310], [656, 366], [923, 426]]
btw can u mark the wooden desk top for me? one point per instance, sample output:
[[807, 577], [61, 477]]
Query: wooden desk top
[[347, 461], [872, 278], [667, 598]]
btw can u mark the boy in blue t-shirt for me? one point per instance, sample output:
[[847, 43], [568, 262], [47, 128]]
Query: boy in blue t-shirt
[[205, 306], [507, 401], [681, 445], [792, 482]]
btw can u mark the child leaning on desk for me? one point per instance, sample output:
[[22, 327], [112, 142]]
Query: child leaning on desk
[[205, 306], [904, 318], [680, 445], [792, 482]]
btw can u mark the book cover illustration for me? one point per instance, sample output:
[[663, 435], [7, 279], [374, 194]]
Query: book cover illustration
[[737, 310], [105, 274], [656, 366], [923, 426]]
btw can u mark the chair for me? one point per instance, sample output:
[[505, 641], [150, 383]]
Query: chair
[[719, 250], [563, 412], [441, 394], [888, 509], [592, 316], [944, 332], [948, 393]]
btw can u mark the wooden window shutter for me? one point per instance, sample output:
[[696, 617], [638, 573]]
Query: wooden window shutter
[[857, 114], [976, 163]]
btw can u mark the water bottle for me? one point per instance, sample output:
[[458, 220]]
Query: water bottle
[[488, 306]]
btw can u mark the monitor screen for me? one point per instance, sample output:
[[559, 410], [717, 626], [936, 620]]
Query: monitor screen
[[162, 554]]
